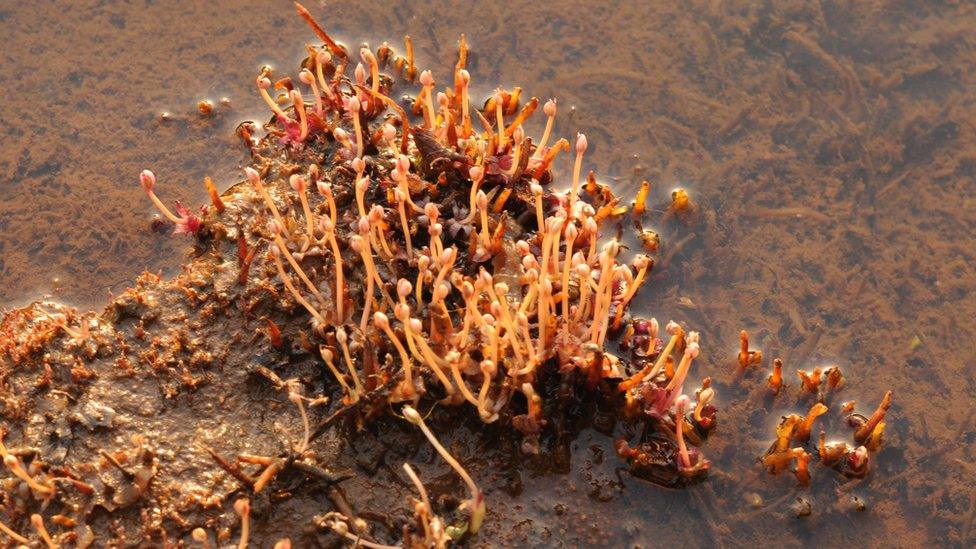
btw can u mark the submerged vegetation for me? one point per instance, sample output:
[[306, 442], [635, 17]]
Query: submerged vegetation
[[398, 258]]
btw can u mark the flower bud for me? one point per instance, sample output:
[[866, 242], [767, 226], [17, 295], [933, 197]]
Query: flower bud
[[148, 180], [404, 287], [580, 143], [381, 321], [403, 163], [298, 183], [550, 108]]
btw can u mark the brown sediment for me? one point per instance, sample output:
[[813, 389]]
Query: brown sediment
[[797, 211]]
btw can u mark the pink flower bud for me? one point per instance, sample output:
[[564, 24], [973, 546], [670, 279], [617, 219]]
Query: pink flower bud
[[148, 180], [465, 77], [381, 320], [252, 175], [550, 108], [323, 57], [448, 256], [360, 74], [356, 242], [376, 214], [298, 183], [476, 173], [426, 79], [403, 163], [580, 143], [404, 287], [306, 77], [441, 291], [264, 83], [353, 104], [389, 132]]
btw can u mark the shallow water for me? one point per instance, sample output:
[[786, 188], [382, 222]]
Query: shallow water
[[857, 116]]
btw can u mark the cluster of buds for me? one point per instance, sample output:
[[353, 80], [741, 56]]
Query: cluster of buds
[[793, 434], [656, 393], [442, 261]]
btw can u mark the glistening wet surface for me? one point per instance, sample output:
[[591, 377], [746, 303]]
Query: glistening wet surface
[[830, 147]]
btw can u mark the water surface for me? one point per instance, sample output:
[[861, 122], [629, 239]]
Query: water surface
[[830, 145]]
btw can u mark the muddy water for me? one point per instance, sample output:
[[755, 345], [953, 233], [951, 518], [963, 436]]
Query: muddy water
[[830, 146]]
